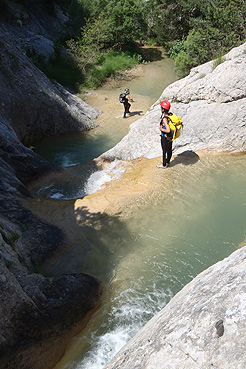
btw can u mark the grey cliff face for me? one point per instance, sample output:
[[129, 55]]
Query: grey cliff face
[[34, 308], [32, 105], [35, 311], [211, 103], [203, 326]]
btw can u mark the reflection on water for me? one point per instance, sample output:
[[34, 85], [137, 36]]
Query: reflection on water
[[149, 256]]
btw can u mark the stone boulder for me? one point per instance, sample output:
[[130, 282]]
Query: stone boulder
[[211, 101], [203, 326], [40, 45]]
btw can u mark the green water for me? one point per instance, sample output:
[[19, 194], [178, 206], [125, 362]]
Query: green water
[[162, 242], [148, 256]]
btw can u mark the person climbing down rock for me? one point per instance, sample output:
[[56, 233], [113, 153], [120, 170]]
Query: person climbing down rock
[[125, 99]]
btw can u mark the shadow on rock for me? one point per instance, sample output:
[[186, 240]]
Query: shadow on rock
[[136, 113], [188, 157]]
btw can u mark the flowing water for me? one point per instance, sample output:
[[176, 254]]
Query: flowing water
[[193, 218], [147, 256]]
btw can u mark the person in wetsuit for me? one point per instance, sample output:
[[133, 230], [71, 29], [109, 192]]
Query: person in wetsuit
[[126, 103], [166, 135]]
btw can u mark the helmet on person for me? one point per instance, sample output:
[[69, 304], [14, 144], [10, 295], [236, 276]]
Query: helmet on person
[[127, 90], [165, 104]]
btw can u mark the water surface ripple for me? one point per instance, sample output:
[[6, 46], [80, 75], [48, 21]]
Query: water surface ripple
[[195, 218], [158, 249]]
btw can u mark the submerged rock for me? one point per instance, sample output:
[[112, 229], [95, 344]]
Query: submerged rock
[[203, 326]]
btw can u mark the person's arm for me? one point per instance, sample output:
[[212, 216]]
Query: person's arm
[[164, 123], [130, 99]]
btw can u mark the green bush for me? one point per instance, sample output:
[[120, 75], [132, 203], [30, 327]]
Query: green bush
[[108, 64], [151, 42], [183, 63], [196, 32], [200, 46], [175, 47]]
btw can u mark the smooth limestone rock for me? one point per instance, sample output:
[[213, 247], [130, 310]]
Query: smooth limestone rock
[[211, 102], [203, 326]]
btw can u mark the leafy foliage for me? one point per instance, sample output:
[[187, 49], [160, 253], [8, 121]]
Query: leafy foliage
[[109, 64], [195, 32], [192, 31], [113, 25], [126, 22], [86, 50]]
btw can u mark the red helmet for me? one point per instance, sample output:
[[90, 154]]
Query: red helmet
[[165, 104]]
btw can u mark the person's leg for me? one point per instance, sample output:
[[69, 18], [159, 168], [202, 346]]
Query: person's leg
[[169, 151], [164, 143], [128, 105], [125, 109], [164, 152]]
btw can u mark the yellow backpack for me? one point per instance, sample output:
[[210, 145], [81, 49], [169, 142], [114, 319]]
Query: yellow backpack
[[175, 123]]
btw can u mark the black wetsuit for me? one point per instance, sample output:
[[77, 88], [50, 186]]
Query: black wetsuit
[[127, 106], [166, 150], [167, 146]]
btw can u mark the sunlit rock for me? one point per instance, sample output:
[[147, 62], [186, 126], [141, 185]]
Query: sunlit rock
[[203, 326], [211, 101]]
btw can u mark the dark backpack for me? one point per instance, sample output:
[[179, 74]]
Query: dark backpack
[[122, 97]]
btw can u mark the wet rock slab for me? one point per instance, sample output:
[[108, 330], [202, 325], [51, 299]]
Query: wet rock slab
[[203, 326]]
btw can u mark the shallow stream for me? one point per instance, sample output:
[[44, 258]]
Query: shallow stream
[[147, 255], [193, 217]]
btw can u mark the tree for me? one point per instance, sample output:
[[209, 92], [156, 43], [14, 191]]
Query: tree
[[87, 49], [126, 20], [196, 32], [167, 20]]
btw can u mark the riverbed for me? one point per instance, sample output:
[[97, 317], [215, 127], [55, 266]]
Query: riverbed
[[144, 232]]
